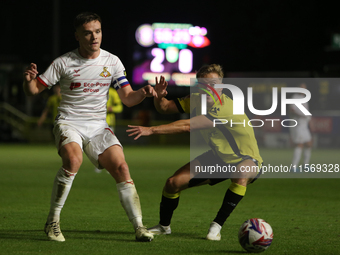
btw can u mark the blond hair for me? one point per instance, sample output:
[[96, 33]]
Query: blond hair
[[213, 68]]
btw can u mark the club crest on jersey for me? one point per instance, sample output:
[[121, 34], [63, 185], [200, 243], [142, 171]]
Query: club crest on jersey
[[105, 73], [215, 110]]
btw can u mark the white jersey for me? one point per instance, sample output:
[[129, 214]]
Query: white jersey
[[295, 112], [84, 83], [300, 133]]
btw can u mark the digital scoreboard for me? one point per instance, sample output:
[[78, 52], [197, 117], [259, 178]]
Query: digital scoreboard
[[173, 50]]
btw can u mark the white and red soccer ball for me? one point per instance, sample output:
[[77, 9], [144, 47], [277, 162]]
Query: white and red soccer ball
[[255, 235]]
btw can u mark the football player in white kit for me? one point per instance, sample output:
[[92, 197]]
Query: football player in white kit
[[85, 75], [300, 135]]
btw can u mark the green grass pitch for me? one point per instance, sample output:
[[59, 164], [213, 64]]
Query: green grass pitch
[[304, 213]]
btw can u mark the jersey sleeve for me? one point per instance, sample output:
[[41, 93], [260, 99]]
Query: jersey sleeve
[[183, 104], [53, 73], [119, 79]]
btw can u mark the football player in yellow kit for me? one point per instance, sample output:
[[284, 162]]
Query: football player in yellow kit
[[232, 146]]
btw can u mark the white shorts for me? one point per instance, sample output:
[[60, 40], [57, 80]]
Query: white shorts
[[300, 133], [93, 137]]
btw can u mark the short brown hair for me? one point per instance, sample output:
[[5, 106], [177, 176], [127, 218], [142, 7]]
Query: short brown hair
[[85, 17], [213, 68]]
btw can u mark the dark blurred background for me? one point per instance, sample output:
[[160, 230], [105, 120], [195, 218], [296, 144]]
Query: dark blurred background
[[248, 38]]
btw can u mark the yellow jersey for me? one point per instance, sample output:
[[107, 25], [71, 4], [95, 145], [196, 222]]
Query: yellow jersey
[[53, 103], [233, 141], [114, 105]]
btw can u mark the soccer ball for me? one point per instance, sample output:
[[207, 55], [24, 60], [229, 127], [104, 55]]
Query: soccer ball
[[255, 235]]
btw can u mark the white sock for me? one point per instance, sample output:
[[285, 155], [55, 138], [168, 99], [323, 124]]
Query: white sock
[[296, 156], [307, 155], [130, 201], [61, 187], [215, 227]]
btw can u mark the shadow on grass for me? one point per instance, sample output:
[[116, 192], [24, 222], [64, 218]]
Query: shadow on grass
[[185, 235], [221, 251], [22, 234], [39, 235]]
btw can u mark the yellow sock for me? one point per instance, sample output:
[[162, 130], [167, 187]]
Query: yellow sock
[[169, 195], [238, 189]]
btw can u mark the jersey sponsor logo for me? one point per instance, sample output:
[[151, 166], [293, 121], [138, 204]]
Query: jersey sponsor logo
[[96, 84], [89, 86], [105, 73], [90, 90], [75, 85]]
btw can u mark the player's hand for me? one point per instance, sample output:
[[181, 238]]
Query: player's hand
[[161, 86], [148, 91], [139, 131], [31, 72]]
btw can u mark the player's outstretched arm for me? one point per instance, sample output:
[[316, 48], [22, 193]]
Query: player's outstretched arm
[[31, 85], [176, 127], [162, 104], [132, 97]]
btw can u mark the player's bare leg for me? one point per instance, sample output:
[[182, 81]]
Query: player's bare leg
[[307, 153], [72, 157], [113, 160], [296, 156]]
